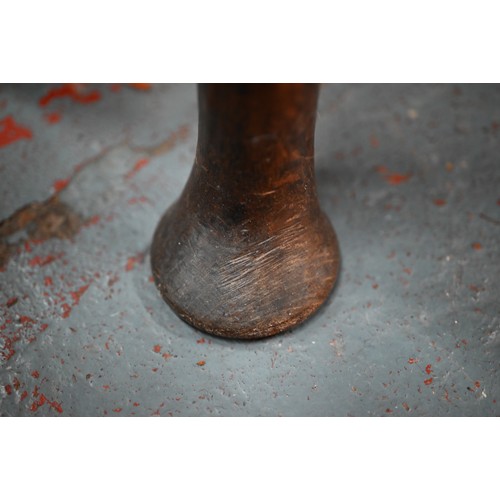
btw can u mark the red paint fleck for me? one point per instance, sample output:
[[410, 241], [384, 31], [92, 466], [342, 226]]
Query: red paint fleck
[[106, 387], [43, 261], [57, 406], [132, 261], [408, 271], [47, 281], [35, 374], [136, 404], [392, 178], [10, 131], [8, 389], [106, 345], [24, 395], [201, 363], [477, 246], [375, 286], [428, 381], [66, 310], [140, 86], [76, 92], [59, 184], [139, 165], [439, 202], [396, 179], [388, 410], [200, 341], [477, 384], [92, 221], [117, 410], [136, 200], [166, 355], [412, 361], [76, 295], [26, 319], [16, 383], [12, 301], [52, 117], [157, 348], [43, 327], [115, 87], [406, 407], [428, 369]]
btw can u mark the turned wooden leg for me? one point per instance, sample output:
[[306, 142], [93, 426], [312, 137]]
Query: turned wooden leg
[[246, 251]]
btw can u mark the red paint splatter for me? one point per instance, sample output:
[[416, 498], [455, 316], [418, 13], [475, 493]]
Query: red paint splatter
[[408, 271], [117, 410], [52, 118], [157, 348], [428, 381], [428, 369], [66, 310], [200, 341], [75, 91], [392, 178], [43, 327], [12, 301], [59, 185], [439, 202], [477, 246], [8, 389], [375, 286], [26, 319], [140, 86], [43, 261], [136, 404], [139, 165], [136, 200], [76, 295], [412, 361], [132, 261], [24, 395], [406, 407], [447, 396], [47, 281], [10, 131], [396, 179], [477, 384], [166, 356], [201, 363], [388, 410], [92, 221]]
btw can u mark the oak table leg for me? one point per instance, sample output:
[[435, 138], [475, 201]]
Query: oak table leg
[[246, 251]]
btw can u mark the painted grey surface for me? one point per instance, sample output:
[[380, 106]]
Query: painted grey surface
[[409, 175]]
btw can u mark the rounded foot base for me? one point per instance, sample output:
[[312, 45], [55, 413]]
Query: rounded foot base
[[241, 283]]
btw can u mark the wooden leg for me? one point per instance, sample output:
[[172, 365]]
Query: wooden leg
[[246, 251]]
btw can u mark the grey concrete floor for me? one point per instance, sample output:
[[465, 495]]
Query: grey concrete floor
[[410, 177]]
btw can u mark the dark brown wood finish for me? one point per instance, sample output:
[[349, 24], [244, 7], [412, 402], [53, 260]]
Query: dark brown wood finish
[[246, 251]]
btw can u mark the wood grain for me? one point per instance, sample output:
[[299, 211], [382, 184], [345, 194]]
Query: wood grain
[[246, 251]]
